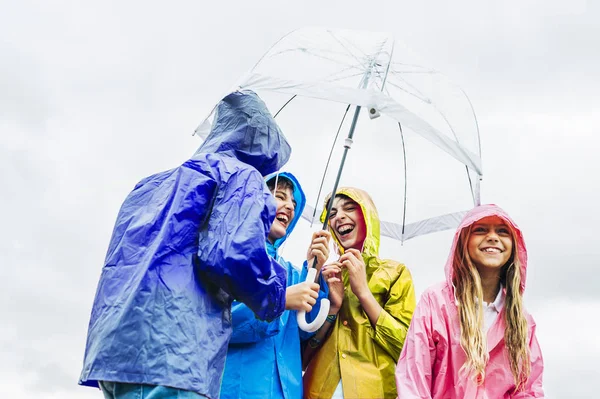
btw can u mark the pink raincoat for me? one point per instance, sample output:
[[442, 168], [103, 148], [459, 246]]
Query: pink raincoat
[[432, 356]]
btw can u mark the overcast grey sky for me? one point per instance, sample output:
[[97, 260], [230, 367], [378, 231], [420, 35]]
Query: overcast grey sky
[[96, 95]]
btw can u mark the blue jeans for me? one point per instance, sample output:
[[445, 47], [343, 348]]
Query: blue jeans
[[118, 390]]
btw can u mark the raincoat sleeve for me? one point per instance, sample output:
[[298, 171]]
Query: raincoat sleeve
[[414, 369], [231, 250], [394, 319], [247, 328], [533, 387], [323, 294]]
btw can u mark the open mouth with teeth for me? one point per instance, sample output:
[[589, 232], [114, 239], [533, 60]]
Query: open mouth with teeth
[[345, 230], [491, 250], [283, 219]]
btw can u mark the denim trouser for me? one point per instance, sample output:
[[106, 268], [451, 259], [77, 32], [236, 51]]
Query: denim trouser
[[118, 390]]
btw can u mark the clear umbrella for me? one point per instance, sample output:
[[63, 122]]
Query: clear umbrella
[[361, 109]]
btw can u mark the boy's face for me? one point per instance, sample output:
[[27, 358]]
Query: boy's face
[[284, 197], [348, 223]]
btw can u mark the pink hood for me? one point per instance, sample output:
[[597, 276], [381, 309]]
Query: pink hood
[[430, 362], [477, 214]]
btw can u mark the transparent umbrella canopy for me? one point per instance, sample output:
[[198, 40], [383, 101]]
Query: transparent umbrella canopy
[[360, 109], [415, 142]]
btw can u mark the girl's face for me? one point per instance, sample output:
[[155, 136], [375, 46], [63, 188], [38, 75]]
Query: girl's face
[[284, 197], [490, 244], [348, 223]]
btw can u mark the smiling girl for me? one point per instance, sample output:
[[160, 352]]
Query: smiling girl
[[470, 336], [354, 354]]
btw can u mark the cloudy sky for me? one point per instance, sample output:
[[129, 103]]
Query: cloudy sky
[[96, 95]]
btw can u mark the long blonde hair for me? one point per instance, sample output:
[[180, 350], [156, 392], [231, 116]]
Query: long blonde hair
[[469, 296]]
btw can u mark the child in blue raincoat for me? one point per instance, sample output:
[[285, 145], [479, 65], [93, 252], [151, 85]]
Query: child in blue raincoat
[[263, 360], [186, 242]]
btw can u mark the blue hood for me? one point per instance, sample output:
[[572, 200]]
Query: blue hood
[[300, 199], [245, 129]]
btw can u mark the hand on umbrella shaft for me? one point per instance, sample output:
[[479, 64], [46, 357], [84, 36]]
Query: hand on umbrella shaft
[[319, 249], [301, 296]]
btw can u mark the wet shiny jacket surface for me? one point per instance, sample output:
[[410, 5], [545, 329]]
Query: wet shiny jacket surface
[[362, 356]]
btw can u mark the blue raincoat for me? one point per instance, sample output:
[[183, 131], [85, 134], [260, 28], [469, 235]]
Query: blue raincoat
[[186, 242], [263, 360]]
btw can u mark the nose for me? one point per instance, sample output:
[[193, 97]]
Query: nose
[[492, 236], [339, 217]]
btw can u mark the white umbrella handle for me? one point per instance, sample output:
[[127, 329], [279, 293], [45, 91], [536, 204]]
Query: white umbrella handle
[[323, 311]]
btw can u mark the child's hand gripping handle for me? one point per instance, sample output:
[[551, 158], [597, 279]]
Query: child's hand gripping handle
[[323, 311]]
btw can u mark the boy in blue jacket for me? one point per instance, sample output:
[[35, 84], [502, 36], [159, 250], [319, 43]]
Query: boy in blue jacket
[[187, 242], [263, 360]]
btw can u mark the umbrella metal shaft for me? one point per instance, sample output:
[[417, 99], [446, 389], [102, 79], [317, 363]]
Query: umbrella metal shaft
[[347, 146]]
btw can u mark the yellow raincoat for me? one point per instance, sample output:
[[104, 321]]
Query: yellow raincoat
[[362, 356]]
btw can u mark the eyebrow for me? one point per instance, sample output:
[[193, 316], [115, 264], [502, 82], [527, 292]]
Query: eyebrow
[[285, 194], [344, 204], [488, 225]]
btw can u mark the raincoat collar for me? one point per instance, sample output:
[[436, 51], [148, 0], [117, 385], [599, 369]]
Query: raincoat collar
[[372, 239], [479, 213], [244, 129], [300, 199], [498, 302]]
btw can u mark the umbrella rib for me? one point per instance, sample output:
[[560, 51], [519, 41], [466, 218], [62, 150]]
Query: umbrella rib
[[344, 77], [426, 70], [381, 88], [356, 48], [405, 180], [327, 164], [470, 184], [399, 76], [303, 47], [431, 103], [432, 71], [281, 109], [349, 67], [345, 48], [425, 100], [314, 54]]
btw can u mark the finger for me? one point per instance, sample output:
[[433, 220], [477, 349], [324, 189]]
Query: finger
[[334, 269], [320, 246], [333, 280], [344, 257], [356, 253], [322, 233], [319, 253], [349, 265], [319, 240], [354, 261], [314, 287], [329, 269], [347, 255], [327, 272], [311, 301]]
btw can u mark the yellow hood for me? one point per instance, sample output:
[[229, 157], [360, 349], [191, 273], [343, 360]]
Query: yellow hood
[[371, 244]]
